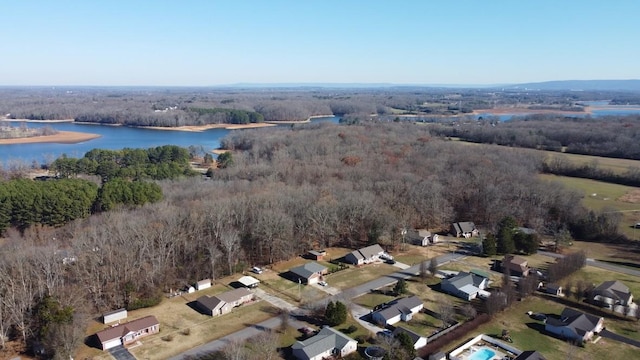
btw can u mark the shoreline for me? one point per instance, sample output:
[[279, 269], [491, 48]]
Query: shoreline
[[62, 137], [38, 121], [200, 128]]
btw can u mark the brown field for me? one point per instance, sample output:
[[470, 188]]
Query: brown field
[[176, 316], [62, 137]]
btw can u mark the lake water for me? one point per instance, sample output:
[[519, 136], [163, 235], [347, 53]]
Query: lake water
[[115, 137], [613, 110]]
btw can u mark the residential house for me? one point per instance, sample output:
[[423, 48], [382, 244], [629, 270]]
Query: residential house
[[574, 325], [530, 355], [309, 273], [554, 289], [328, 343], [397, 310], [421, 237], [203, 284], [124, 334], [611, 293], [365, 255], [466, 285], [463, 229], [114, 316], [515, 265], [317, 255], [223, 303], [417, 340]]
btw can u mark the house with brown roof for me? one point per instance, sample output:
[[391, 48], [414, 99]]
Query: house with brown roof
[[515, 265], [223, 303], [127, 333]]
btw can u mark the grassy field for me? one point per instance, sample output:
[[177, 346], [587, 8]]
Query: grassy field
[[182, 327], [617, 166], [600, 195]]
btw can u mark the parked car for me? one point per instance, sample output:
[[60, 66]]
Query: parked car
[[390, 261], [256, 270], [322, 283]]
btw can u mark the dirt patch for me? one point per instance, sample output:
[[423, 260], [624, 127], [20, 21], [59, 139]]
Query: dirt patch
[[632, 197]]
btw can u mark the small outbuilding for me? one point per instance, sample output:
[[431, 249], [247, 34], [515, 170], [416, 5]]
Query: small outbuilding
[[554, 289], [317, 255], [203, 284], [249, 282], [114, 316]]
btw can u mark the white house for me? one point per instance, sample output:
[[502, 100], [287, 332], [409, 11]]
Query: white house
[[465, 285], [328, 343], [397, 310], [365, 255]]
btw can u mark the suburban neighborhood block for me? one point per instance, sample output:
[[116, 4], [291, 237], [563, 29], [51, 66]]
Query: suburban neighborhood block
[[124, 334]]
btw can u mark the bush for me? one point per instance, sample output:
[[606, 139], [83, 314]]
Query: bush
[[168, 338], [186, 332]]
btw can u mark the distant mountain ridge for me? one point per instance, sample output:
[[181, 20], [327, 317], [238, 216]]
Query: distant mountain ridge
[[582, 85]]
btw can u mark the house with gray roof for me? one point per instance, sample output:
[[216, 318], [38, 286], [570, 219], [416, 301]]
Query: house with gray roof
[[223, 303], [308, 273], [611, 293], [417, 339], [397, 310], [465, 229], [328, 343], [574, 325], [466, 285], [365, 255], [421, 237]]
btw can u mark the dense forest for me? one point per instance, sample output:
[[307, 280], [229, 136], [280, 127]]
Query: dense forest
[[617, 137], [287, 190], [200, 106]]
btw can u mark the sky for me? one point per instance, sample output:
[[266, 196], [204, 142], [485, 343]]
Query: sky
[[214, 42]]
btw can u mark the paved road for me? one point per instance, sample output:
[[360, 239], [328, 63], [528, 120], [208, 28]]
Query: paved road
[[598, 264], [274, 322]]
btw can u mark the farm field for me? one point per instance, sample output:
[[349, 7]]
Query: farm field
[[601, 196]]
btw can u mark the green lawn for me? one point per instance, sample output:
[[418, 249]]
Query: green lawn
[[600, 195], [353, 276], [528, 334]]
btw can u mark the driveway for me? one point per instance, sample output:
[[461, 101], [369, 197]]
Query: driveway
[[121, 353], [275, 301], [623, 339], [360, 313]]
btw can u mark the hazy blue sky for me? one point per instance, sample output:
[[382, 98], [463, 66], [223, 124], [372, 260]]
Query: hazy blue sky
[[155, 42]]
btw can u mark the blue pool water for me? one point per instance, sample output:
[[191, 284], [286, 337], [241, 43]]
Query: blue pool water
[[482, 354]]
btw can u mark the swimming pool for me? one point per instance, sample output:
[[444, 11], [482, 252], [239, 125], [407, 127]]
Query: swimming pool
[[483, 354]]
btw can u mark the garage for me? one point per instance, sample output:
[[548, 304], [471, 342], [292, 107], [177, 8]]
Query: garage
[[111, 344]]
